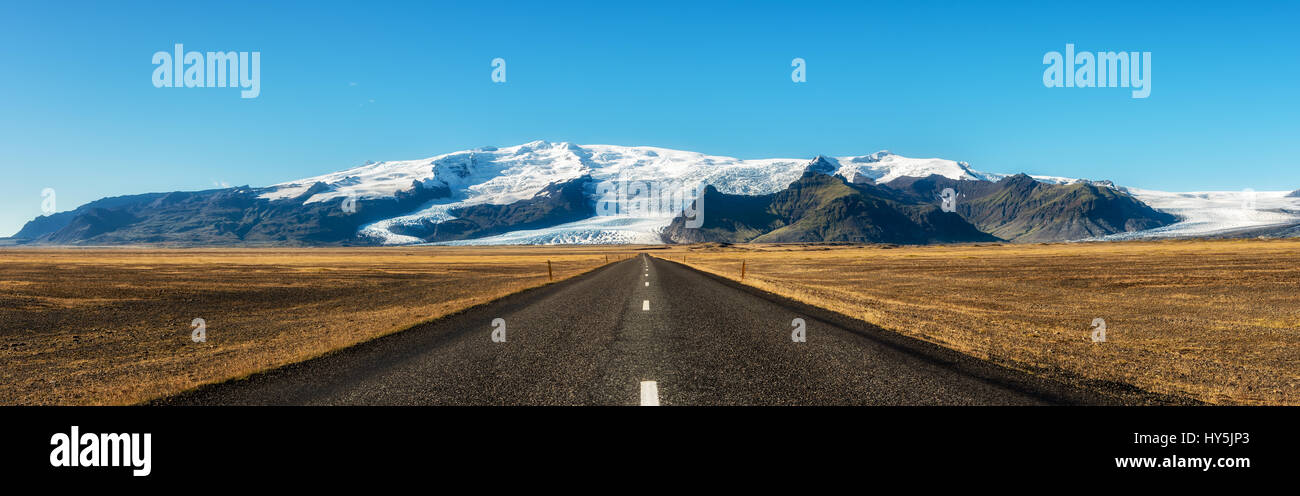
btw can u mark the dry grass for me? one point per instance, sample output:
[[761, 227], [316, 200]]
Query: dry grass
[[112, 326], [1216, 321]]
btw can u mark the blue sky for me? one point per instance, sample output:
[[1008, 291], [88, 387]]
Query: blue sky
[[342, 83]]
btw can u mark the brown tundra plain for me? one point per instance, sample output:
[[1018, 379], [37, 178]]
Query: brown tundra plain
[[1209, 321]]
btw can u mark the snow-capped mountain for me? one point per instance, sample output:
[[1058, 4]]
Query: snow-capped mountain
[[502, 176], [505, 175]]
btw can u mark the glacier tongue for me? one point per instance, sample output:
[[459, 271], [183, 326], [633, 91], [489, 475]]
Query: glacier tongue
[[1215, 213], [593, 231]]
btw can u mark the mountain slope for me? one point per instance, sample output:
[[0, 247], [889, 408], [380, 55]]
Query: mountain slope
[[48, 224], [227, 216]]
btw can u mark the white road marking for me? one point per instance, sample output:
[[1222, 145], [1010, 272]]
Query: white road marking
[[647, 283], [649, 393], [645, 305]]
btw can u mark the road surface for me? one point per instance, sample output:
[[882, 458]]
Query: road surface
[[641, 331]]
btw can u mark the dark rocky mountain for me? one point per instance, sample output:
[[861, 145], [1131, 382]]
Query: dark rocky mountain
[[820, 208], [1294, 194], [1019, 208]]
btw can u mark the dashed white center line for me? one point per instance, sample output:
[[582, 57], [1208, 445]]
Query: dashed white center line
[[645, 305], [649, 393]]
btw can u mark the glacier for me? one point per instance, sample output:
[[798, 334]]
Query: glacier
[[1214, 213]]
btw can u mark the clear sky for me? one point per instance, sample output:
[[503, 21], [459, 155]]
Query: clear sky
[[342, 83]]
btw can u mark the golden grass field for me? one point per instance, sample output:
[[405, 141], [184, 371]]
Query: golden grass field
[[1214, 321], [112, 326]]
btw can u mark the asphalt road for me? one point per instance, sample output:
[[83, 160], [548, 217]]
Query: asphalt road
[[642, 330]]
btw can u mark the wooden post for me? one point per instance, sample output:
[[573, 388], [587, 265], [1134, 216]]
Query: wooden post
[[549, 275], [742, 270]]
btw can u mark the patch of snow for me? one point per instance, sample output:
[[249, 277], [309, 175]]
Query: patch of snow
[[883, 167]]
